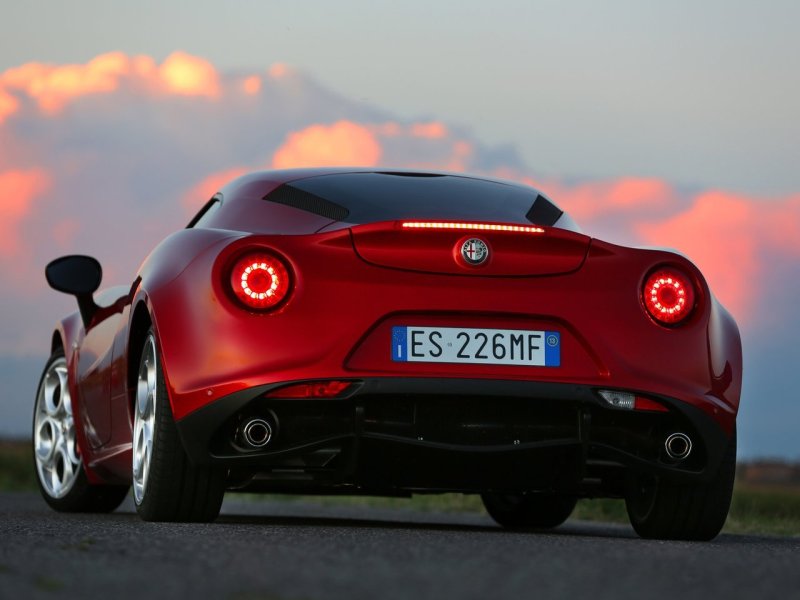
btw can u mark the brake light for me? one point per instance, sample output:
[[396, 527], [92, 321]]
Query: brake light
[[315, 389], [668, 295], [260, 280], [470, 226]]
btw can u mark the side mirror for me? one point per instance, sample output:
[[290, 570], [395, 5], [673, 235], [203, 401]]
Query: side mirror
[[79, 276]]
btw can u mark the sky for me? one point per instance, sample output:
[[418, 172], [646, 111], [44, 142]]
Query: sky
[[668, 124]]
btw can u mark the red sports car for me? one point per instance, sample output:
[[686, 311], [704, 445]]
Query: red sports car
[[357, 331]]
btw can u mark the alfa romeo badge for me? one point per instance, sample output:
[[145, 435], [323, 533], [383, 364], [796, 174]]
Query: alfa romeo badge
[[474, 251]]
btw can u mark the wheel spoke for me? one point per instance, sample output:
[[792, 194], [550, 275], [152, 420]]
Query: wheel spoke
[[44, 439], [52, 393], [55, 481]]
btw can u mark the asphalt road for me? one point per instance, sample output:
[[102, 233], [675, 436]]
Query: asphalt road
[[293, 550]]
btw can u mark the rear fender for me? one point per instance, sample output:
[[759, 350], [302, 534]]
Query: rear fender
[[164, 265]]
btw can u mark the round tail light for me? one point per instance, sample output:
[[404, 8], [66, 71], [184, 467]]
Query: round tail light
[[260, 280], [668, 296]]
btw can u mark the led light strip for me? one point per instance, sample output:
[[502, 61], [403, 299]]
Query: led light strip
[[470, 226]]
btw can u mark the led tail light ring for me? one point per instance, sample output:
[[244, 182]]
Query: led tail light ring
[[668, 296], [260, 280]]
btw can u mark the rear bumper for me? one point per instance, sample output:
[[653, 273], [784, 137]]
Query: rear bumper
[[401, 435]]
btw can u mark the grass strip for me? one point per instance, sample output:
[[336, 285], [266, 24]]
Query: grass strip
[[16, 466]]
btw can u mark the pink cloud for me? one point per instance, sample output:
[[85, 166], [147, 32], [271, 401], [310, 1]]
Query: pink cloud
[[53, 86], [433, 130], [342, 144], [595, 198], [189, 75], [251, 85], [18, 189], [278, 70], [8, 105], [389, 129]]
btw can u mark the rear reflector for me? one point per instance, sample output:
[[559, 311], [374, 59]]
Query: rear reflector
[[650, 405], [628, 401], [315, 389], [470, 226]]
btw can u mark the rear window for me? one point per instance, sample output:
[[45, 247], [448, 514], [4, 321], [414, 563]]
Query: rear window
[[370, 197]]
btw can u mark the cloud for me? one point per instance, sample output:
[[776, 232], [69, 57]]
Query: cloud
[[18, 189], [251, 85], [433, 130], [189, 75], [52, 87], [589, 200], [342, 144], [278, 70], [8, 105], [424, 145]]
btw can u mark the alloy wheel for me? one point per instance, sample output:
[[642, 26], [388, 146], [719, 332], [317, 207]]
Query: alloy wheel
[[58, 461]]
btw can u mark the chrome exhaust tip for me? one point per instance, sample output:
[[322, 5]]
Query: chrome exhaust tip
[[255, 433], [678, 446]]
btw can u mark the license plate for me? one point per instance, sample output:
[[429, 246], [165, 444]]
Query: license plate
[[476, 346]]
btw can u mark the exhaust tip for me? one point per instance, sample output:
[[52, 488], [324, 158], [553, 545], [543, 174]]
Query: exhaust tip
[[255, 433], [678, 446]]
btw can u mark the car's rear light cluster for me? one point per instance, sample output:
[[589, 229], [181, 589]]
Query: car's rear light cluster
[[668, 296], [470, 226], [260, 280]]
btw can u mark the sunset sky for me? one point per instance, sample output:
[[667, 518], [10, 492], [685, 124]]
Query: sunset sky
[[653, 124]]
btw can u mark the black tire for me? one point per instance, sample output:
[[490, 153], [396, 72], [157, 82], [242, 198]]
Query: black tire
[[57, 459], [529, 511], [663, 510], [172, 488]]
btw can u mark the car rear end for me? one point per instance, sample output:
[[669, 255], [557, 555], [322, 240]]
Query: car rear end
[[447, 354]]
